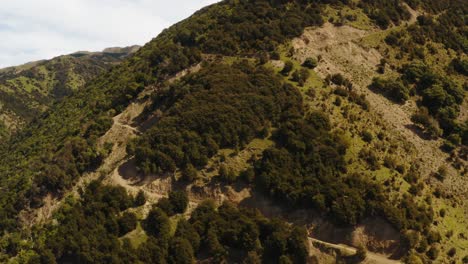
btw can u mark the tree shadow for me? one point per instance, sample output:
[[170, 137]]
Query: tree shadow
[[418, 131]]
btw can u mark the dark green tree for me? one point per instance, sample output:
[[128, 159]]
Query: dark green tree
[[180, 251]]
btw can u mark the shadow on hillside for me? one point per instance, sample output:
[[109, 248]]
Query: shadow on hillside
[[416, 130], [129, 172]]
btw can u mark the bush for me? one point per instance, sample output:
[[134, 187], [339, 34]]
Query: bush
[[367, 136], [459, 65], [176, 203], [227, 175], [433, 252], [338, 79], [248, 175], [393, 89], [300, 76], [310, 63], [427, 123], [371, 158], [140, 199], [452, 251], [288, 67], [189, 174], [442, 212], [441, 173]]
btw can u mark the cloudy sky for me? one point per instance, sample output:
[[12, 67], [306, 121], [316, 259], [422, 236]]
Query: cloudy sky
[[41, 29]]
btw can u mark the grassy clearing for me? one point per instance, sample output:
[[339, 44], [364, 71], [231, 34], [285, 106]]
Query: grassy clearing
[[137, 236], [235, 160], [352, 17]]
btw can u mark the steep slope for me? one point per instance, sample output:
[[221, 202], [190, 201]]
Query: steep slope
[[28, 90], [264, 105]]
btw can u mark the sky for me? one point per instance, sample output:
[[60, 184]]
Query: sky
[[32, 30]]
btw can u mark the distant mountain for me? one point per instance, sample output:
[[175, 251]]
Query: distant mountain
[[29, 89]]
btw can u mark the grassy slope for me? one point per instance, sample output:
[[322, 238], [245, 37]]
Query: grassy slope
[[452, 227]]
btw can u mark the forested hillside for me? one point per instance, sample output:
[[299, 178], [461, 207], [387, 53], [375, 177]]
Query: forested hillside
[[251, 132]]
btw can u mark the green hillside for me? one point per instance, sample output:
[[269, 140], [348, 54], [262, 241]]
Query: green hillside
[[251, 132], [28, 90]]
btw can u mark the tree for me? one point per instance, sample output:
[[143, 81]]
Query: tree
[[140, 199], [157, 224], [180, 252], [166, 205], [297, 245], [179, 201], [189, 174], [127, 222], [215, 248], [187, 231]]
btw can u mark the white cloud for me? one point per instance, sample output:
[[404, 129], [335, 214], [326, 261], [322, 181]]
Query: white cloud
[[33, 30]]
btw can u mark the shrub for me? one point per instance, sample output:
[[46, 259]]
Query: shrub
[[459, 65], [248, 175], [433, 252], [310, 63], [393, 89], [442, 212], [338, 79], [370, 157], [140, 199], [452, 251], [442, 172], [367, 136], [227, 175], [288, 67], [427, 123], [189, 174], [300, 76]]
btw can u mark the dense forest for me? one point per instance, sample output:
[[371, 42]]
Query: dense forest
[[237, 96], [90, 230]]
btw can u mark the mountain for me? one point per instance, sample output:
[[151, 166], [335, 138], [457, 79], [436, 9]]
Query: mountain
[[28, 90], [256, 132]]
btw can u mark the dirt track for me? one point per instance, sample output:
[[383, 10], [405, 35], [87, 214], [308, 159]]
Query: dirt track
[[371, 257]]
